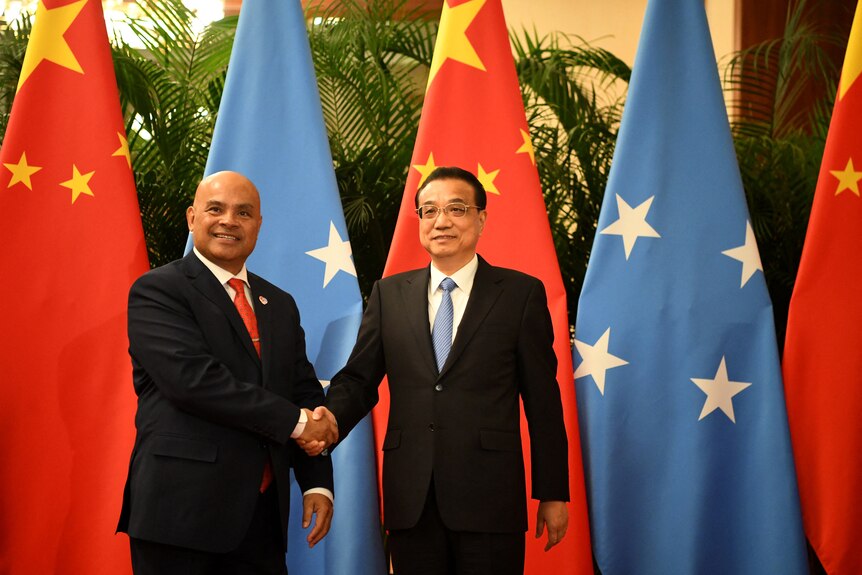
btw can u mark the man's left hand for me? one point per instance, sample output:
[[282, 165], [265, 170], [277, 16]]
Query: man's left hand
[[555, 515], [319, 505]]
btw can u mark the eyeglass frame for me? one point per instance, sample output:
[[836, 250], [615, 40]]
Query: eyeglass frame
[[445, 210]]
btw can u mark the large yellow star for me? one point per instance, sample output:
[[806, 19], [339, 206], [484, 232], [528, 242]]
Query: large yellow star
[[848, 178], [79, 184], [527, 147], [426, 168], [123, 150], [47, 41], [853, 60], [452, 42], [21, 172], [487, 180]]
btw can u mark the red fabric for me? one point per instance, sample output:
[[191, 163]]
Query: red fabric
[[66, 398], [250, 321], [473, 117], [245, 311], [823, 350]]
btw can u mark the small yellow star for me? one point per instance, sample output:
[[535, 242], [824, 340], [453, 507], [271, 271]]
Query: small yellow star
[[21, 172], [426, 168], [79, 184], [487, 180], [848, 178], [527, 147], [47, 41], [123, 150], [452, 42]]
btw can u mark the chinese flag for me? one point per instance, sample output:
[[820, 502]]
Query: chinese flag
[[73, 246], [823, 351], [473, 117]]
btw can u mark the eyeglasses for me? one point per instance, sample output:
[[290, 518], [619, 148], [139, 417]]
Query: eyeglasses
[[453, 210]]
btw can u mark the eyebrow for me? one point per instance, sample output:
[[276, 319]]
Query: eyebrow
[[451, 201], [222, 204]]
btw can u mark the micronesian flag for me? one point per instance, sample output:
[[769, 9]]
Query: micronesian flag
[[680, 398], [270, 128]]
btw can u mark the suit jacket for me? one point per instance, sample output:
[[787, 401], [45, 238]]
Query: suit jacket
[[461, 426], [210, 411]]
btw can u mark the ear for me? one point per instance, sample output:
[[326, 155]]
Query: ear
[[483, 215], [190, 217]]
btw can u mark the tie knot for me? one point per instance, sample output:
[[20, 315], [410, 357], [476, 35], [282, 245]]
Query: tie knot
[[237, 284], [448, 284]]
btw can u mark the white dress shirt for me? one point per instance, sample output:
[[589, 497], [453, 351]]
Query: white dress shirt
[[463, 278]]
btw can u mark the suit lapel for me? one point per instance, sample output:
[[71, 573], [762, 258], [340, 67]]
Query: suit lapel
[[486, 289], [207, 284], [263, 313], [414, 291]]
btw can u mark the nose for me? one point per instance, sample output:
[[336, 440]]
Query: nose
[[228, 218], [443, 220]]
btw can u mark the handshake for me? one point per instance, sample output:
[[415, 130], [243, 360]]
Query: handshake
[[321, 431]]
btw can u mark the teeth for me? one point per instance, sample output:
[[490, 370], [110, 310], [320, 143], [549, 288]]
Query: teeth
[[224, 236]]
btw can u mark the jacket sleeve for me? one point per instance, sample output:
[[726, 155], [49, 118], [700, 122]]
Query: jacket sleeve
[[169, 351], [537, 376], [353, 390]]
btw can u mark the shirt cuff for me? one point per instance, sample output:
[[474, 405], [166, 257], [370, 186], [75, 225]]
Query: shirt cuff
[[300, 425], [322, 491]]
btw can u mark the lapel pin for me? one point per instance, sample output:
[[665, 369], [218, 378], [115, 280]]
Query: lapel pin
[[263, 300]]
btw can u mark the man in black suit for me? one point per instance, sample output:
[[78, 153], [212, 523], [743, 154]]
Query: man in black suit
[[223, 384], [454, 493]]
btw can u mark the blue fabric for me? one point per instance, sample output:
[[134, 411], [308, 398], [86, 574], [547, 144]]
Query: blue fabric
[[270, 128], [681, 479]]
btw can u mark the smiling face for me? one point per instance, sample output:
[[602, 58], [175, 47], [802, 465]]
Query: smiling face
[[451, 241], [225, 219]]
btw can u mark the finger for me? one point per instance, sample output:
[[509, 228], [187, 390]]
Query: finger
[[540, 526], [554, 537], [317, 414], [307, 512], [322, 521]]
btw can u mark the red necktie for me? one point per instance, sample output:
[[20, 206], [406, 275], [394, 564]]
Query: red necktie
[[250, 321]]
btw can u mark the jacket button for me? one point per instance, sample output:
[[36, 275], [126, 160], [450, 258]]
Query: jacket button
[[431, 426], [439, 387]]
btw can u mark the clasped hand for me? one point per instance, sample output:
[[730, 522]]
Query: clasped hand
[[321, 431]]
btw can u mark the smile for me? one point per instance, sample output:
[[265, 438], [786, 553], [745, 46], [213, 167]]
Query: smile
[[226, 237]]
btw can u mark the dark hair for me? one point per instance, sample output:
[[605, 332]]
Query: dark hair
[[456, 173]]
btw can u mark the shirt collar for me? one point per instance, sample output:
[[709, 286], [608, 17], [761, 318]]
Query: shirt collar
[[221, 274], [463, 277]]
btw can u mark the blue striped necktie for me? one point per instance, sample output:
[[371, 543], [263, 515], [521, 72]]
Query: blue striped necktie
[[442, 332]]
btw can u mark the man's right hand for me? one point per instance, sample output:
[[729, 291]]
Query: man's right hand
[[321, 431]]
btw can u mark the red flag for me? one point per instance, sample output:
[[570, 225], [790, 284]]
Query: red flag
[[823, 351], [73, 246], [473, 117]]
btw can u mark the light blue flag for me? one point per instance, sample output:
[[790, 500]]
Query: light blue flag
[[270, 128], [680, 399]]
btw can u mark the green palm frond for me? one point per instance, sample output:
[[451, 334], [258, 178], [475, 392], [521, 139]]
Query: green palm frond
[[371, 60], [170, 94]]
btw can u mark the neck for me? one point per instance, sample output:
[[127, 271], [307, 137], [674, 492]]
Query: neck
[[448, 266]]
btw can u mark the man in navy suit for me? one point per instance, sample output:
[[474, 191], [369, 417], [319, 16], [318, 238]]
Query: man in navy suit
[[223, 385], [462, 343]]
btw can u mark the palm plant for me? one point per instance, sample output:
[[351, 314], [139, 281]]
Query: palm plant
[[170, 93], [13, 44], [573, 95], [779, 138], [372, 60]]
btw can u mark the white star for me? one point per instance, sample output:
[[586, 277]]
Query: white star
[[596, 360], [336, 255], [748, 254], [632, 224], [719, 392]]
